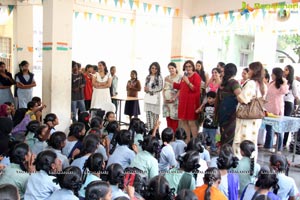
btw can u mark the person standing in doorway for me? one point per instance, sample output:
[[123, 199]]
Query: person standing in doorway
[[114, 86]]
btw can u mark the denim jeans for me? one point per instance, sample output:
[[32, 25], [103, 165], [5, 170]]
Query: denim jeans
[[211, 133], [269, 138], [77, 104]]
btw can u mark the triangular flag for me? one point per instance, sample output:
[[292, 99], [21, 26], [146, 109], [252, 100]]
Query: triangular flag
[[149, 7], [105, 1], [177, 12], [121, 3], [193, 19], [76, 14], [110, 19], [264, 12], [204, 19], [200, 19], [131, 4], [132, 22], [10, 9], [137, 3], [90, 16], [125, 20], [231, 15], [114, 19], [99, 1], [121, 20], [226, 14], [98, 17], [217, 17], [156, 8], [102, 18], [85, 15], [116, 2], [145, 6], [165, 10], [211, 18], [169, 10], [247, 15], [255, 13]]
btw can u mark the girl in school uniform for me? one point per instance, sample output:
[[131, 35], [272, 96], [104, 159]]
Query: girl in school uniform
[[51, 120], [74, 140], [247, 168], [146, 160], [93, 167], [90, 145], [287, 186], [31, 130], [230, 181], [56, 143], [42, 134], [167, 158], [159, 189], [40, 185], [116, 180], [98, 190], [179, 145], [138, 129], [122, 154], [69, 182], [266, 181]]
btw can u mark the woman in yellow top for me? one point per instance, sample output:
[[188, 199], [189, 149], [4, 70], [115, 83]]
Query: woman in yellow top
[[209, 190]]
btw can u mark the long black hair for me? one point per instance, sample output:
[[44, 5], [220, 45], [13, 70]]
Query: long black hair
[[290, 76], [116, 175], [104, 65], [44, 160], [248, 147], [211, 176], [189, 162], [201, 72], [186, 194], [95, 163], [258, 75], [280, 163], [17, 155], [159, 189], [96, 190], [229, 71], [70, 179], [57, 140], [151, 144], [278, 74], [89, 145], [227, 159], [75, 130], [267, 179]]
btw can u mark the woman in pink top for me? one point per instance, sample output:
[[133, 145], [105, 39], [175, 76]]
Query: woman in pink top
[[214, 82], [276, 91]]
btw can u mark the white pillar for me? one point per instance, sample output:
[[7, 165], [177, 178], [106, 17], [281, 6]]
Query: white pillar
[[265, 47], [57, 57], [23, 35]]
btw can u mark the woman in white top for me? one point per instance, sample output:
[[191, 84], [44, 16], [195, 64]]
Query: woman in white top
[[153, 87], [290, 97], [101, 84], [247, 129]]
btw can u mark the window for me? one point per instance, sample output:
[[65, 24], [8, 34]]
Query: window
[[243, 59], [5, 51]]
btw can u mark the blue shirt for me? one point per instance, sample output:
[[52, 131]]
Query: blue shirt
[[102, 151], [14, 175], [178, 147], [147, 163], [79, 162], [63, 194], [122, 155], [116, 192], [38, 147], [89, 178], [40, 186], [249, 192], [205, 155], [287, 187], [167, 158]]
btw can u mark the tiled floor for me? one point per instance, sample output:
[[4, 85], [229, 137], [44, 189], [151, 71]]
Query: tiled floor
[[263, 159]]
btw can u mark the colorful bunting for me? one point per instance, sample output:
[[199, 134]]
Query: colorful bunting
[[177, 12], [131, 4], [149, 7], [165, 10], [169, 10], [145, 6], [137, 3], [156, 8], [193, 19], [10, 9], [76, 14], [116, 2]]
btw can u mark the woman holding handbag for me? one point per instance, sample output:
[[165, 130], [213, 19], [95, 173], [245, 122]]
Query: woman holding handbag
[[247, 129]]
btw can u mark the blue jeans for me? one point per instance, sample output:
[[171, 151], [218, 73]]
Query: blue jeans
[[211, 133], [269, 138], [74, 105]]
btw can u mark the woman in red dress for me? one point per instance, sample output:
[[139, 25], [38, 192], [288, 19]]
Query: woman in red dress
[[189, 98]]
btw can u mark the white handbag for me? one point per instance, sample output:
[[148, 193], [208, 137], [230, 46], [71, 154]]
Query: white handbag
[[151, 99]]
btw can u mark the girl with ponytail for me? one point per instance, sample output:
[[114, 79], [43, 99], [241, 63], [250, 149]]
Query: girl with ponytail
[[70, 182], [92, 169], [209, 190], [247, 168], [98, 190], [21, 162], [230, 181], [287, 186]]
